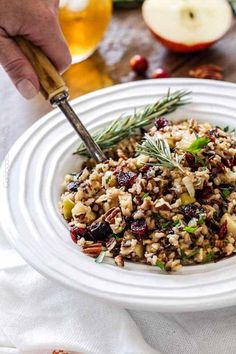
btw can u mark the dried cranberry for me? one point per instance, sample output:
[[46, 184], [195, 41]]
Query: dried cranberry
[[223, 230], [189, 158], [213, 134], [191, 162], [77, 232], [205, 193], [144, 169], [161, 123], [99, 230], [139, 227], [219, 168], [229, 162], [126, 178], [190, 210], [72, 187]]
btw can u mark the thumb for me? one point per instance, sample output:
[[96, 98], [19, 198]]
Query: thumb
[[18, 67]]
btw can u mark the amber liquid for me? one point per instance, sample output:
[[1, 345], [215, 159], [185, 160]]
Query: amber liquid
[[84, 29]]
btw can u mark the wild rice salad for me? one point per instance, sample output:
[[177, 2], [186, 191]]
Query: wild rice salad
[[148, 209]]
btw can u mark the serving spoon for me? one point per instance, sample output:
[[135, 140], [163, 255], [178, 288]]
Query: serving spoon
[[54, 90]]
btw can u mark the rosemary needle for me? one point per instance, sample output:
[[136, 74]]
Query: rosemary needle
[[125, 126], [158, 148]]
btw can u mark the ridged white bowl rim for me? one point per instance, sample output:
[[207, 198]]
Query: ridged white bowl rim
[[30, 187]]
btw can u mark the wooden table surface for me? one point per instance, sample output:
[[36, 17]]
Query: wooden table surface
[[126, 36]]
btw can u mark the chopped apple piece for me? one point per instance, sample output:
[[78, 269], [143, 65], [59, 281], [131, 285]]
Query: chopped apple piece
[[68, 205], [186, 199]]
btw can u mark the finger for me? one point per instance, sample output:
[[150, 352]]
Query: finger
[[49, 37], [18, 67]]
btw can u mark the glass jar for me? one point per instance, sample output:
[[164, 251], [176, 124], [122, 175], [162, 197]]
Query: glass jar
[[84, 23]]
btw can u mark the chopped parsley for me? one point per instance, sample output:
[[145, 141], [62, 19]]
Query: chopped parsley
[[101, 257], [157, 216], [117, 237], [176, 223], [225, 193], [200, 160], [209, 257], [184, 256], [160, 264], [198, 145], [167, 224], [201, 221], [145, 195], [190, 229], [108, 179]]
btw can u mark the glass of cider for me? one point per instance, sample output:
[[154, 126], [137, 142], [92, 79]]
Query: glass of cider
[[84, 23]]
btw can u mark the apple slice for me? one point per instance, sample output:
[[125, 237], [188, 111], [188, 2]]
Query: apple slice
[[187, 25]]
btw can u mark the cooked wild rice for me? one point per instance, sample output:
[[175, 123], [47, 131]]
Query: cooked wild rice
[[129, 208]]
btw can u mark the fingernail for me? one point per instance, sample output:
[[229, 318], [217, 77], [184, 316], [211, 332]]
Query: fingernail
[[26, 89]]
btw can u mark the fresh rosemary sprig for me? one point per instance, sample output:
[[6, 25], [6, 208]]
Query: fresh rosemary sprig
[[125, 126], [158, 148]]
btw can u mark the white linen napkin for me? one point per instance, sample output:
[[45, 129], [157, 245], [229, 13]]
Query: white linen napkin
[[38, 316]]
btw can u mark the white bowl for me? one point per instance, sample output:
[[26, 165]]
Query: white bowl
[[31, 178]]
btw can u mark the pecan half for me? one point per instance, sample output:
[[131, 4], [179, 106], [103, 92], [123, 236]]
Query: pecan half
[[119, 260], [111, 244], [207, 71], [93, 249], [111, 214], [60, 351]]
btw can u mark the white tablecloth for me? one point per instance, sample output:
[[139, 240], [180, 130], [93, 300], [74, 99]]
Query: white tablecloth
[[38, 316]]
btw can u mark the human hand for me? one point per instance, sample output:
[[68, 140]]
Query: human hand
[[37, 21]]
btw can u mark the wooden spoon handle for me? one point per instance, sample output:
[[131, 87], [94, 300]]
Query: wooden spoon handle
[[51, 82]]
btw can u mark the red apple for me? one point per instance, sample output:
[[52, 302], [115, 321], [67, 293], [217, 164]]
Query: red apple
[[187, 25]]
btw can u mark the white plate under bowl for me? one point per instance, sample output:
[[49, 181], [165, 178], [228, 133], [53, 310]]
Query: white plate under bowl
[[31, 178]]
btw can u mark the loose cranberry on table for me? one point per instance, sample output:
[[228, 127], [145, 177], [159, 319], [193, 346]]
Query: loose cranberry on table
[[139, 64], [160, 73]]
